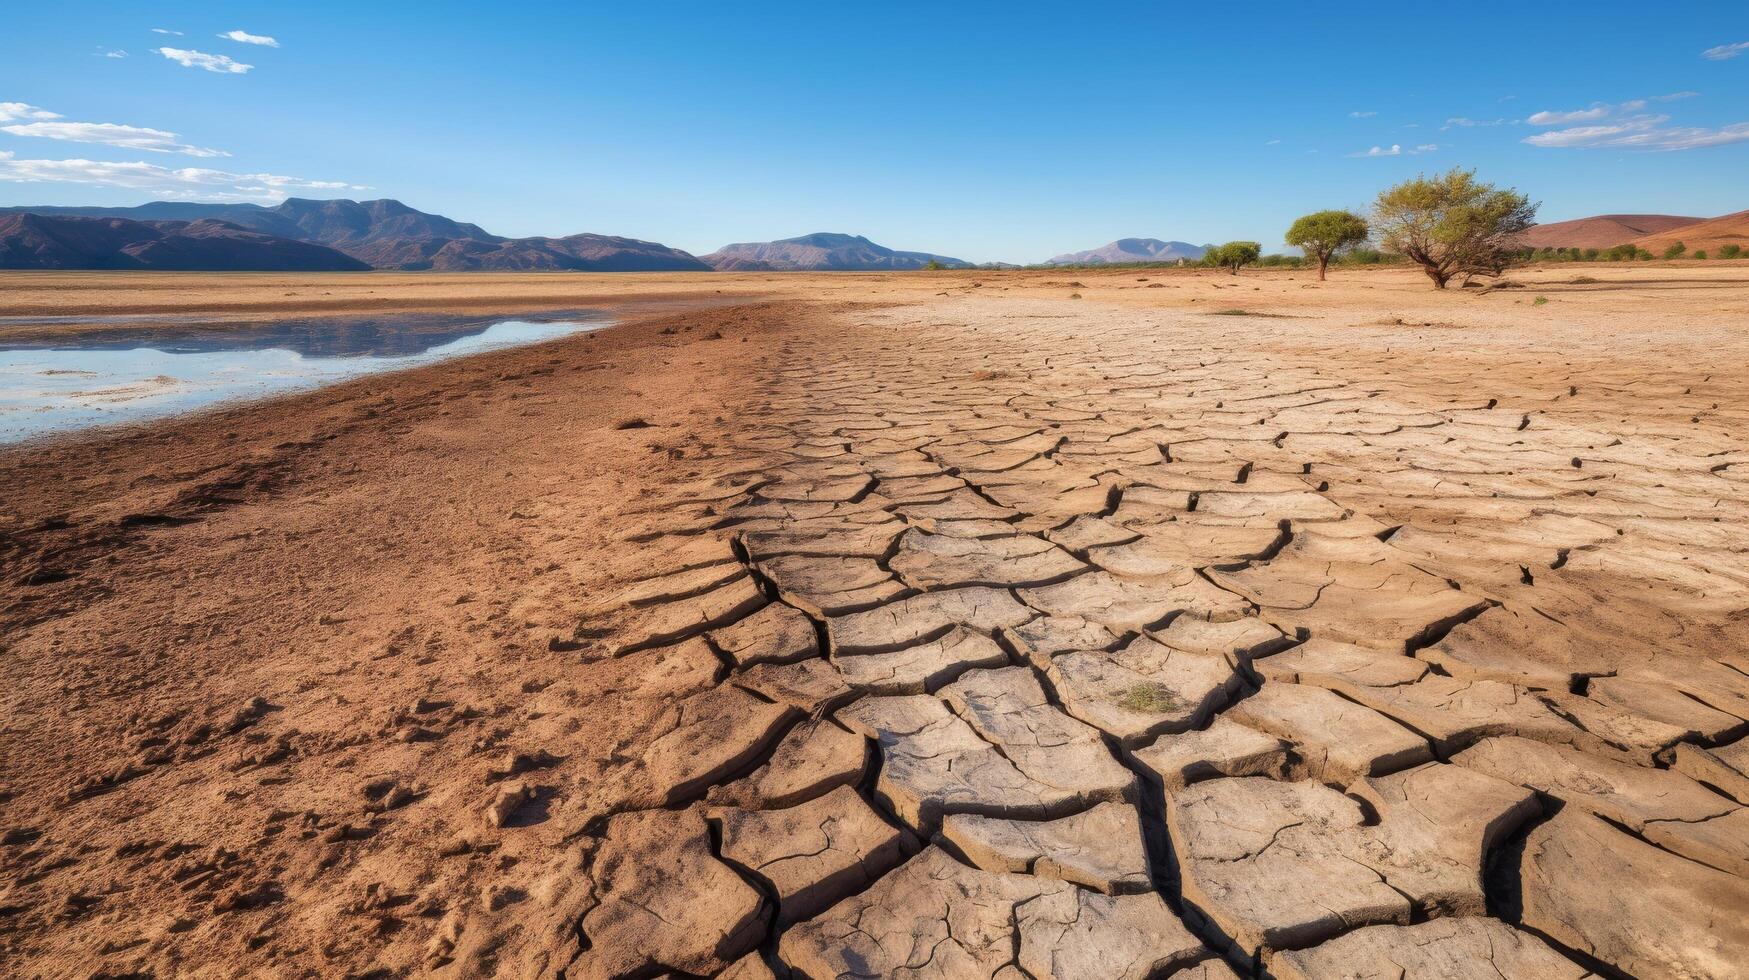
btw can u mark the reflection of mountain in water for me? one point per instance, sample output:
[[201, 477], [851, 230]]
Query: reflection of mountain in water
[[396, 335]]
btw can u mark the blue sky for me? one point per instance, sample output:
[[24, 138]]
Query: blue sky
[[985, 131]]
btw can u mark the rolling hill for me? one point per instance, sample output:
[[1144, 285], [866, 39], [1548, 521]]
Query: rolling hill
[[1131, 250], [1711, 235], [821, 251], [1604, 230], [35, 241]]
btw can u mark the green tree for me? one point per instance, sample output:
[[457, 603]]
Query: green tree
[[933, 265], [1234, 256], [1675, 251], [1453, 225], [1700, 253], [1730, 251], [1324, 233]]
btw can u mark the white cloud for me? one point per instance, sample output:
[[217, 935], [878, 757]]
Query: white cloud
[[165, 30], [115, 54], [1467, 122], [200, 59], [1547, 118], [173, 182], [1397, 150], [1641, 133], [1506, 98], [244, 37], [10, 111], [111, 134], [1362, 115], [1624, 126], [1725, 51], [1272, 142]]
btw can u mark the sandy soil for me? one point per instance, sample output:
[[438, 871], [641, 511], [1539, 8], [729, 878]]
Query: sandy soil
[[438, 671]]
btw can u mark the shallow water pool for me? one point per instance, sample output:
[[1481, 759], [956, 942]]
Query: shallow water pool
[[139, 368]]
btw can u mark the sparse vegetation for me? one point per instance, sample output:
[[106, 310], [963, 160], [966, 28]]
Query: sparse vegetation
[[933, 265], [1700, 253], [1152, 697], [1730, 251], [1675, 251], [1324, 233], [1453, 225], [1233, 256]]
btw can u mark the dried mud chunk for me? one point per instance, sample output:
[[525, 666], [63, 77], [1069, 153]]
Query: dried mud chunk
[[908, 621], [831, 586], [922, 668], [1725, 768], [777, 634], [1665, 807], [842, 540], [1336, 739], [707, 738], [813, 759], [1239, 640], [665, 902], [1614, 730], [1074, 934], [1122, 604], [1009, 709], [1144, 689], [1503, 644], [1454, 713], [813, 854], [749, 967], [1286, 865], [673, 586], [682, 619], [1090, 532], [1101, 848], [1437, 825], [1447, 949], [1051, 636], [1642, 910], [1258, 857], [933, 764], [1225, 748], [1662, 702], [1291, 506], [811, 686], [1356, 590], [931, 918], [1326, 663], [673, 671], [927, 561]]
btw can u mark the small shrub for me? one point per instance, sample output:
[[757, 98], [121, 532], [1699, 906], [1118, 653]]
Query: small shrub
[[1540, 301], [1700, 253], [1675, 251], [1152, 697], [1730, 251]]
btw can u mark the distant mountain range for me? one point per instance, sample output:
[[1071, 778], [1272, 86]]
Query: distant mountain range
[[1131, 250], [36, 241], [375, 234], [821, 251]]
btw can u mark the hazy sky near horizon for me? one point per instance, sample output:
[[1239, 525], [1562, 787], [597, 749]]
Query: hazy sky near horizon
[[1005, 131]]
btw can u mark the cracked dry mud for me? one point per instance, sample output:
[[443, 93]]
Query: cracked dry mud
[[1162, 674], [1009, 643]]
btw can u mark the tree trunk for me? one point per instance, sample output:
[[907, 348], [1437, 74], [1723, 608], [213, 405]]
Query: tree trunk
[[1233, 270], [1323, 263], [1439, 276]]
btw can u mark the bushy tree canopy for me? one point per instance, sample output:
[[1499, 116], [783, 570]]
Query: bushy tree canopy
[[1324, 233], [1452, 224], [1234, 255]]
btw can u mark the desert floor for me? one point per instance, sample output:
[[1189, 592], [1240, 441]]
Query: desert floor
[[999, 624]]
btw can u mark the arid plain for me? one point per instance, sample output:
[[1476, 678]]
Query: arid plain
[[1122, 623]]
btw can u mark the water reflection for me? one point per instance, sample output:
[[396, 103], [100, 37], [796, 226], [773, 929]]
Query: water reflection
[[138, 369]]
